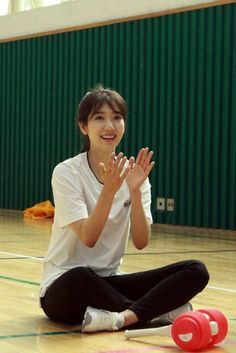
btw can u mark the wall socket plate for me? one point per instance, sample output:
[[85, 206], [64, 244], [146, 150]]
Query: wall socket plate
[[160, 204], [170, 205]]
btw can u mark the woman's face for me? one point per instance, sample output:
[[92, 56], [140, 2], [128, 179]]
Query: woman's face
[[105, 128]]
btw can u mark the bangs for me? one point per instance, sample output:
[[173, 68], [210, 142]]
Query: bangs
[[112, 103]]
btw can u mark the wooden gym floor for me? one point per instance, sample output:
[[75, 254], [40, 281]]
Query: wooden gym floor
[[25, 329]]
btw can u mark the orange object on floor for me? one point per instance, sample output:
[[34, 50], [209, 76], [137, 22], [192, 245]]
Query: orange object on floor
[[41, 210]]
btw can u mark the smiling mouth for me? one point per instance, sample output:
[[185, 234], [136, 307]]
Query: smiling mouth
[[108, 138]]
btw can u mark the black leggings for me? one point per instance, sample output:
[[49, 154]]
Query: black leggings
[[148, 294]]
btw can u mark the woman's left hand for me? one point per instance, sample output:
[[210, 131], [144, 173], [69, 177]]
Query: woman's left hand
[[139, 169]]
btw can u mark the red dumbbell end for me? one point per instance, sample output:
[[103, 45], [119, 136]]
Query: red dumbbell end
[[191, 331]]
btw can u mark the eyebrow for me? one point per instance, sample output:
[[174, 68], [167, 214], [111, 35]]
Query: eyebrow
[[102, 111]]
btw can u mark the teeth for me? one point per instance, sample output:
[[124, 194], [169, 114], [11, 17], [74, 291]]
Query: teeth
[[108, 137]]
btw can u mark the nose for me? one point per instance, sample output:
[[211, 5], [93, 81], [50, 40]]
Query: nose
[[109, 125]]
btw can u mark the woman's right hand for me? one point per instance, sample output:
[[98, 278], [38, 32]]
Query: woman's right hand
[[114, 173]]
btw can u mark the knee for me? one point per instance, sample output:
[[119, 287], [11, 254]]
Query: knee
[[80, 275], [200, 274]]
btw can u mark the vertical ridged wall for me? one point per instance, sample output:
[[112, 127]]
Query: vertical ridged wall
[[178, 74]]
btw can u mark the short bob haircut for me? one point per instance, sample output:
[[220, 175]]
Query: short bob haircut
[[92, 102]]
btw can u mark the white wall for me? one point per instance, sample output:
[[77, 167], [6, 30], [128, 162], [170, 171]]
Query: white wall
[[87, 13]]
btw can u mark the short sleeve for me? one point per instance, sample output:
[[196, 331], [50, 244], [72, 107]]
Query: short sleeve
[[68, 196], [146, 199]]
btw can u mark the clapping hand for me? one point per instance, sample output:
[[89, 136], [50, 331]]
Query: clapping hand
[[139, 169], [114, 173], [135, 172]]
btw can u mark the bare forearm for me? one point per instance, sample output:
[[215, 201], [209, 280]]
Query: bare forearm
[[140, 227], [90, 229]]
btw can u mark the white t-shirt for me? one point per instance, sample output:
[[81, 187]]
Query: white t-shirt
[[76, 190]]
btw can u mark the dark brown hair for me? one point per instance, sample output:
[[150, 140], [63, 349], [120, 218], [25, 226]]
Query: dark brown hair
[[93, 100]]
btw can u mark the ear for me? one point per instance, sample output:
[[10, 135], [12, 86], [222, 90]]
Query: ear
[[83, 128]]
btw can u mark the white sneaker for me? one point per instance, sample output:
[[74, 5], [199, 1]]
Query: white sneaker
[[101, 320], [169, 317]]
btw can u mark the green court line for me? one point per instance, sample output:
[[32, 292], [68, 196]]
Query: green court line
[[35, 334], [19, 280]]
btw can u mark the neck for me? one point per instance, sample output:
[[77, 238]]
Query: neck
[[96, 157]]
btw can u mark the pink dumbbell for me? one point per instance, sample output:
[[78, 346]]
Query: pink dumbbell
[[191, 331]]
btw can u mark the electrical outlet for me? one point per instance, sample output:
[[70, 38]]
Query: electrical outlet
[[160, 203], [170, 205]]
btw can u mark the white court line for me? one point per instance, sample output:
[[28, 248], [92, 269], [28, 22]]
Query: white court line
[[22, 256], [222, 289], [40, 259]]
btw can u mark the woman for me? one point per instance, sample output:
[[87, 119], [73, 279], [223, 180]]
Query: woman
[[100, 198]]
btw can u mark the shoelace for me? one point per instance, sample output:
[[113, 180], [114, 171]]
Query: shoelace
[[108, 321]]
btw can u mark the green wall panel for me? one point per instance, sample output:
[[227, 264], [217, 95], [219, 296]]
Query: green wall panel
[[178, 75]]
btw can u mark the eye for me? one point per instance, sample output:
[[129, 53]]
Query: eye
[[98, 117], [118, 117]]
